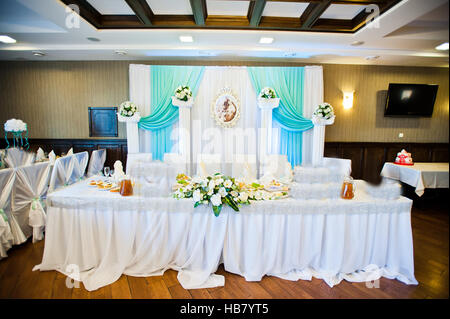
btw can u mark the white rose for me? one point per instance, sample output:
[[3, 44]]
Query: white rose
[[211, 184], [243, 196], [204, 182], [130, 113], [197, 196], [222, 191], [219, 181], [216, 200], [228, 183]]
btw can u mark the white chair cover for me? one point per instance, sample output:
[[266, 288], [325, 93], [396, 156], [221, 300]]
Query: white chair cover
[[208, 164], [7, 178], [276, 167], [137, 157], [244, 167], [16, 157], [30, 190], [68, 170], [341, 165], [96, 163], [176, 161]]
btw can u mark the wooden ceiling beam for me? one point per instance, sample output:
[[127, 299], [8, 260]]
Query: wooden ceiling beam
[[255, 10], [312, 13], [142, 10], [199, 11]]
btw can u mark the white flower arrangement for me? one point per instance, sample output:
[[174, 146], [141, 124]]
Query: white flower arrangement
[[221, 190], [183, 93], [267, 93], [16, 126], [324, 111], [127, 109]]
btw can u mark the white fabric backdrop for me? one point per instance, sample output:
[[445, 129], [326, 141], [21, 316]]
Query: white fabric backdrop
[[216, 78], [209, 138]]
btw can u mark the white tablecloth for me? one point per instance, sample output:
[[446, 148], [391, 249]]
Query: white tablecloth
[[106, 235], [420, 175]]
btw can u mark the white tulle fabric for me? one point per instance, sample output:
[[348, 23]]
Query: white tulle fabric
[[16, 157], [30, 190], [97, 161], [68, 170], [107, 235], [7, 178]]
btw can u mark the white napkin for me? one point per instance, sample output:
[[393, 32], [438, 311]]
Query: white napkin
[[52, 157], [70, 152], [40, 155], [118, 170]]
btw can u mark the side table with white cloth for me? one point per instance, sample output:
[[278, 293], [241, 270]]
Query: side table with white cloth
[[420, 175], [107, 235]]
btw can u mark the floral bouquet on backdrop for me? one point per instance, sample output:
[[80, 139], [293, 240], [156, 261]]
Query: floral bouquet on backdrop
[[324, 111], [128, 112], [183, 93], [216, 189], [267, 93]]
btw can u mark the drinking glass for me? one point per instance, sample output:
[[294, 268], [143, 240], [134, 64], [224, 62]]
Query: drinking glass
[[106, 171]]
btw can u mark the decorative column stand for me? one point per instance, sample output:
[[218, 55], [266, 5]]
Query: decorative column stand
[[319, 139], [184, 129], [265, 146], [132, 131]]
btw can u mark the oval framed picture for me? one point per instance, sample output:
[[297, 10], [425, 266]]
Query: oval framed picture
[[225, 108]]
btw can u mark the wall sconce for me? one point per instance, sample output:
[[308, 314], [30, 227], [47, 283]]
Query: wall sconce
[[347, 102]]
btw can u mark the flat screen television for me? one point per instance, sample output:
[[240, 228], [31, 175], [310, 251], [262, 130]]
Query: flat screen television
[[410, 99]]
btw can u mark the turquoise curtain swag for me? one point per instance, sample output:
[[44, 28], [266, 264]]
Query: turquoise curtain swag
[[164, 81], [288, 84]]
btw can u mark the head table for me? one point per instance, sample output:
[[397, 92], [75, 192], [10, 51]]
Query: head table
[[105, 235]]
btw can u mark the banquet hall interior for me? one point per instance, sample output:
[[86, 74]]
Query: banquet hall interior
[[224, 149]]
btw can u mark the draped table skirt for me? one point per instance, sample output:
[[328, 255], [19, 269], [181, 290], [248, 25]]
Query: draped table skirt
[[103, 235]]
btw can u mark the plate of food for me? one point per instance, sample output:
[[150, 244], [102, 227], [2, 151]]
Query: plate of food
[[275, 186]]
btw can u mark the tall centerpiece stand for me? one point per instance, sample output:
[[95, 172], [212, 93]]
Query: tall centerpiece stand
[[129, 114], [322, 116]]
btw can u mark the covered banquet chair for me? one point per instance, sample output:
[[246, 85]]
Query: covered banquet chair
[[96, 162], [244, 167], [30, 190], [208, 164], [16, 157], [7, 177], [68, 170], [134, 158]]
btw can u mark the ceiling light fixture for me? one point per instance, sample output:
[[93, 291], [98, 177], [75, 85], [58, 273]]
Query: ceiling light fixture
[[38, 53], [372, 57], [356, 43], [442, 47], [93, 39], [265, 40], [186, 38], [119, 52], [6, 39]]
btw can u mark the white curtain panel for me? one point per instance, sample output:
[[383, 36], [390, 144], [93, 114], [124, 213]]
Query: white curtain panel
[[98, 158], [209, 138], [16, 157], [29, 194], [140, 94], [7, 178], [313, 96]]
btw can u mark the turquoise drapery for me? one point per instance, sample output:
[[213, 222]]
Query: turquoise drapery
[[288, 84], [164, 81]]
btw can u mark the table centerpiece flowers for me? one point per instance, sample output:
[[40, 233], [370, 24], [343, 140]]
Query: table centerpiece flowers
[[16, 127], [323, 115], [183, 97], [217, 190], [128, 112]]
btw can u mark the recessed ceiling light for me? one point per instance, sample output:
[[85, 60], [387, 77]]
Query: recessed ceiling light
[[372, 57], [186, 38], [93, 39], [265, 40], [6, 39], [442, 47], [356, 43], [38, 53], [119, 52]]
